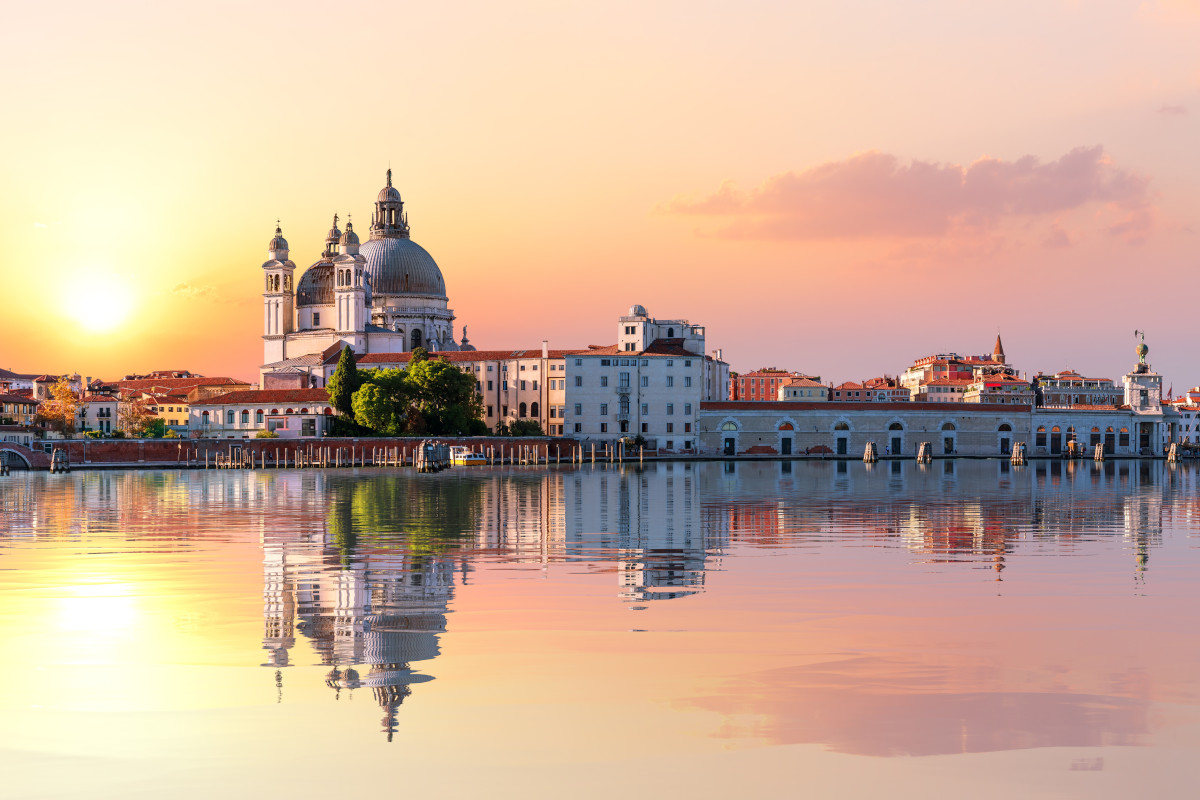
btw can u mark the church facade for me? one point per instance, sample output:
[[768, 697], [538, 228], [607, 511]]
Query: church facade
[[384, 295]]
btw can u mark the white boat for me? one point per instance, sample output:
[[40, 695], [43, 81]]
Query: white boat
[[464, 457]]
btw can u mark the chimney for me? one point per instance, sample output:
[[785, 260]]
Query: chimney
[[545, 348]]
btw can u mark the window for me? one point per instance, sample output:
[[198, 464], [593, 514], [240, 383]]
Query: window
[[687, 427], [416, 339], [670, 362], [478, 386], [229, 417], [687, 408], [687, 362], [670, 444], [258, 417], [604, 409], [578, 427], [504, 410], [522, 383], [687, 380], [489, 383], [670, 380], [729, 426], [645, 362], [670, 408], [522, 368], [645, 427], [521, 410], [316, 320], [579, 409], [489, 410], [645, 380], [604, 380], [490, 367], [245, 417], [604, 427], [504, 385], [578, 362], [645, 409], [605, 362], [624, 378], [534, 409], [579, 380], [670, 427]]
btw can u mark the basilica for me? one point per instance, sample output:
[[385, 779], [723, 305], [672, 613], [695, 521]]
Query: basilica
[[384, 295]]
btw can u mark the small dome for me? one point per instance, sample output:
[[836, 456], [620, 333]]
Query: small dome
[[349, 237], [278, 243], [638, 311], [388, 194], [1142, 350], [315, 287]]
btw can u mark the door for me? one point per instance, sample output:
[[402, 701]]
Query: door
[[1005, 446], [897, 445], [1110, 443], [948, 445], [785, 446], [729, 445], [842, 445], [1056, 443]]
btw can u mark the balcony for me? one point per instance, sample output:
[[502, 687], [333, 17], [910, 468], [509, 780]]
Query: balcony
[[623, 416], [624, 389]]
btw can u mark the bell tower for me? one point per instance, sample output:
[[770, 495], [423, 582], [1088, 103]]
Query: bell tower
[[278, 297], [350, 290]]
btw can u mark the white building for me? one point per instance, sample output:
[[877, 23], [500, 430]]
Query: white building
[[384, 295], [290, 413], [650, 383]]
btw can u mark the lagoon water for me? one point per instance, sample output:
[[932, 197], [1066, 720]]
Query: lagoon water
[[825, 629]]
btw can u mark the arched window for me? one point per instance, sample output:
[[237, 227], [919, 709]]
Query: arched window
[[670, 333], [533, 409], [1005, 427], [327, 411], [1040, 438], [416, 338], [304, 411], [1095, 430], [895, 426], [1108, 429], [258, 417], [289, 411], [274, 410], [245, 417], [949, 426], [204, 417], [729, 426], [841, 426], [521, 410], [787, 426]]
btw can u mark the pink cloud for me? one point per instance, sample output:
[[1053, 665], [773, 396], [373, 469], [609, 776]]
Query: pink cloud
[[875, 195]]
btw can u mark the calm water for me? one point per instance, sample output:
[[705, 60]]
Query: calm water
[[700, 630]]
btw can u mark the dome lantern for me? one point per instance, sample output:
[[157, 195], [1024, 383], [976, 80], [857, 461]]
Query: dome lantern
[[277, 250]]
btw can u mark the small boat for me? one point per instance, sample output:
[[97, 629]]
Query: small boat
[[464, 457]]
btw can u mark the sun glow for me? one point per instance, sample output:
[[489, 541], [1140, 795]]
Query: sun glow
[[101, 304]]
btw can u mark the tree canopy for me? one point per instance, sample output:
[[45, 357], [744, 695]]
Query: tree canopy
[[432, 396], [58, 410], [344, 382]]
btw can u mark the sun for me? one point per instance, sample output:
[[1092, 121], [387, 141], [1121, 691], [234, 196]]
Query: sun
[[100, 304]]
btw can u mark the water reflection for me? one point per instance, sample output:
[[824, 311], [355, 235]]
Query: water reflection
[[886, 609]]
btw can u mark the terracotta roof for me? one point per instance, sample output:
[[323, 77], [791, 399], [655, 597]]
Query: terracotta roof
[[257, 396], [98, 398], [804, 383], [17, 398], [949, 382], [178, 383]]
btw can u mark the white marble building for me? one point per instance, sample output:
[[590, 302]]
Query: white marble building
[[385, 295]]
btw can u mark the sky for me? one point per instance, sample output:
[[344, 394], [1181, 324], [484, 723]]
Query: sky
[[832, 187]]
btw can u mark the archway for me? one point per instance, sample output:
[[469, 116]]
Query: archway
[[13, 459], [948, 436], [895, 444], [729, 432]]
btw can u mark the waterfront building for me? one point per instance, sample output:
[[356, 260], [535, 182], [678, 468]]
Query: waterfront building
[[649, 384], [764, 383], [97, 412], [385, 295], [17, 409], [1069, 388], [513, 385], [290, 413], [999, 387]]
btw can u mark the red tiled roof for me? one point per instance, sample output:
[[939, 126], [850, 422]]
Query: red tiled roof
[[263, 396], [949, 382], [17, 398], [178, 383], [98, 398]]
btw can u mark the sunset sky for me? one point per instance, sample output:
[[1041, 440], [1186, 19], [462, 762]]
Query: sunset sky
[[833, 187]]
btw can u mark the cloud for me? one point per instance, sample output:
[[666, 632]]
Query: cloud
[[1057, 237], [1173, 111], [876, 195], [196, 292]]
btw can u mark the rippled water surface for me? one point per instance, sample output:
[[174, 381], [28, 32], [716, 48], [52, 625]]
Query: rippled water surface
[[963, 629]]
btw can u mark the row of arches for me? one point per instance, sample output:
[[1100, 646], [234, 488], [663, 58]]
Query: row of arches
[[349, 277], [894, 443], [1055, 439], [244, 416], [532, 410]]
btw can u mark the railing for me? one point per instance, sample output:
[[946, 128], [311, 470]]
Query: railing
[[623, 417], [624, 389]]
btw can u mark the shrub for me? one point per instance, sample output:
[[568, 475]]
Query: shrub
[[266, 435]]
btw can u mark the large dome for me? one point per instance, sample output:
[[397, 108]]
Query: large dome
[[401, 266]]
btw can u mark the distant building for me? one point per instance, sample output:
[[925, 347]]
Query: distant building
[[17, 409], [1069, 388], [97, 412], [809, 390], [999, 387], [763, 384], [946, 370], [875, 390]]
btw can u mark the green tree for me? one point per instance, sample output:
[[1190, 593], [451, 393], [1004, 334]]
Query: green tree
[[419, 354], [374, 409], [444, 395], [344, 382], [525, 427]]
